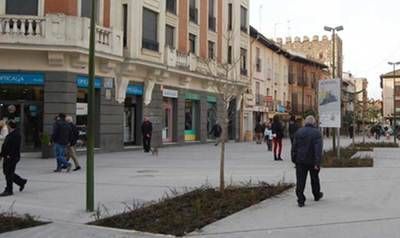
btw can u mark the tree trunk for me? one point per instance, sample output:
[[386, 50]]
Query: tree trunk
[[224, 137]]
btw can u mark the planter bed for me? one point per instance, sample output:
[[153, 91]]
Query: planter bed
[[12, 222]]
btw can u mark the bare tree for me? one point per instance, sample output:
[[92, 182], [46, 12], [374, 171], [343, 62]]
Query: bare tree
[[227, 83]]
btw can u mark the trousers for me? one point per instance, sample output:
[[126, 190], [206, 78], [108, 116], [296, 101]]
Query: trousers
[[9, 166], [301, 174]]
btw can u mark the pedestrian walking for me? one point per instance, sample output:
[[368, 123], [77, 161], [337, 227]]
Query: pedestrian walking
[[61, 139], [71, 152], [216, 131], [147, 131], [306, 154], [292, 128], [10, 152], [351, 131], [277, 134], [268, 136], [259, 131], [3, 132]]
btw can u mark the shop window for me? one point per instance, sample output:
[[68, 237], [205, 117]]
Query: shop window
[[192, 119], [22, 7]]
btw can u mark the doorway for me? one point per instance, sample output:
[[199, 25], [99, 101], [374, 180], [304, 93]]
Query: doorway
[[168, 124]]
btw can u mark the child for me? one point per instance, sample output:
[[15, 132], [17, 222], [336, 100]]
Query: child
[[268, 137]]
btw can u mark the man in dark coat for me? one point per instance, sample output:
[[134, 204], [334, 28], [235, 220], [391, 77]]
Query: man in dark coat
[[292, 128], [306, 154], [147, 131], [61, 138], [216, 131], [11, 154]]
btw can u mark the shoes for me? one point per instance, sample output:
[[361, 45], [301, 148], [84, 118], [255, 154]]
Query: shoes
[[77, 168], [321, 195], [22, 187], [69, 168], [6, 194], [300, 204], [57, 171]]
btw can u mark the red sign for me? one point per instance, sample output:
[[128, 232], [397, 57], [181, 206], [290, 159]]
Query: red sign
[[269, 99]]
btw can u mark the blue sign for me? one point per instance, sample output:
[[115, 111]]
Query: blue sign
[[83, 82], [134, 90], [281, 108], [22, 78]]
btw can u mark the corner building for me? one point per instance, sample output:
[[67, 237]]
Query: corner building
[[149, 62]]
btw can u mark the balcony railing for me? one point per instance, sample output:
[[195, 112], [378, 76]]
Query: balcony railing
[[212, 23], [193, 14], [57, 31]]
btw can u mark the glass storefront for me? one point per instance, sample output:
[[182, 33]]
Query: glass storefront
[[192, 117], [132, 114]]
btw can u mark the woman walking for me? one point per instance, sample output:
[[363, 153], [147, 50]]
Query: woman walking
[[277, 134]]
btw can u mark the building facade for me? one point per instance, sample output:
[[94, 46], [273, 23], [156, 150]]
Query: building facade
[[390, 84], [150, 61]]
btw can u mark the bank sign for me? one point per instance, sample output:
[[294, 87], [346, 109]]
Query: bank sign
[[83, 82], [35, 79], [329, 100]]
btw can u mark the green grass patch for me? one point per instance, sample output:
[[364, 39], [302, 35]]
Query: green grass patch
[[191, 211]]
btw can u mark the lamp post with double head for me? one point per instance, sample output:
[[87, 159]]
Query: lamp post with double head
[[394, 100]]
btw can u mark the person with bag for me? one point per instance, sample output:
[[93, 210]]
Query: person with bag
[[11, 154], [277, 134], [71, 151]]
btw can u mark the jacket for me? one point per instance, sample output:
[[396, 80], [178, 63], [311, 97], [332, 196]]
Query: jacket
[[74, 134], [259, 128], [216, 130], [147, 128], [61, 133], [11, 147], [307, 146], [292, 128], [277, 129]]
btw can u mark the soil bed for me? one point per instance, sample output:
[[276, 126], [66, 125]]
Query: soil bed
[[346, 161], [191, 211], [12, 222]]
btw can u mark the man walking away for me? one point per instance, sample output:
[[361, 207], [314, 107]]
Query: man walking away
[[73, 139], [147, 130], [259, 130], [61, 139], [292, 128], [216, 131], [306, 154], [11, 154], [277, 134]]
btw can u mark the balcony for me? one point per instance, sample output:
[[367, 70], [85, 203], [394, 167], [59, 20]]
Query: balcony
[[212, 23], [193, 15], [57, 31]]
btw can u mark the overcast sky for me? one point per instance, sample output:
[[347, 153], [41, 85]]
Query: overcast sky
[[371, 35]]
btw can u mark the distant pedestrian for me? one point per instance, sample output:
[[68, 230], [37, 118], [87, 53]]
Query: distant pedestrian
[[277, 134], [147, 131], [61, 140], [292, 128], [10, 152], [268, 136], [216, 131], [71, 152], [3, 132], [306, 154], [351, 131], [259, 131]]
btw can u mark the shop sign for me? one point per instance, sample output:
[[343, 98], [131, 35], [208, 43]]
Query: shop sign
[[192, 96], [169, 93], [83, 82], [134, 90], [269, 98], [81, 109], [211, 99], [21, 78]]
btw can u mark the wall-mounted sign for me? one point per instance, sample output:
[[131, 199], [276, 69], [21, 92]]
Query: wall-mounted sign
[[134, 90], [21, 78], [81, 109], [211, 99], [192, 96], [169, 93], [83, 82]]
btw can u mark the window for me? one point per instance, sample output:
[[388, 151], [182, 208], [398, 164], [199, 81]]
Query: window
[[258, 96], [150, 27], [193, 11], [243, 19], [275, 95], [125, 24], [267, 91], [192, 43], [170, 36], [229, 54], [243, 61], [230, 9], [86, 9], [22, 7], [211, 15], [171, 6], [211, 50], [258, 60]]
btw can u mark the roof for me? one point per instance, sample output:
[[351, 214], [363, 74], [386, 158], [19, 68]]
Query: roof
[[390, 74], [289, 54]]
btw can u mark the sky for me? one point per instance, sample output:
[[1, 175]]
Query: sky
[[371, 36]]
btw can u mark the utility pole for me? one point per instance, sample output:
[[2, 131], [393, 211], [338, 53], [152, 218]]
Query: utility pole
[[91, 114]]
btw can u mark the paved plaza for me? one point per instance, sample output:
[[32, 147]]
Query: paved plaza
[[360, 202]]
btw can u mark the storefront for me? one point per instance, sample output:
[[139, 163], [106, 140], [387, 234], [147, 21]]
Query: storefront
[[212, 116], [133, 114], [82, 83], [169, 126], [21, 99], [192, 117]]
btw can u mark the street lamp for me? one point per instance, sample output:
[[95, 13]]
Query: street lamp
[[334, 30], [394, 100]]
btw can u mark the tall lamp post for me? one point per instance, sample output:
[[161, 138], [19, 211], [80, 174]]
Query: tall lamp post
[[394, 100], [91, 114], [334, 30]]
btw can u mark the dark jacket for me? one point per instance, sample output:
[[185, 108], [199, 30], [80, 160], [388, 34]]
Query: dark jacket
[[292, 128], [277, 129], [307, 146], [147, 128], [61, 133], [74, 134], [216, 131], [259, 128], [12, 145]]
